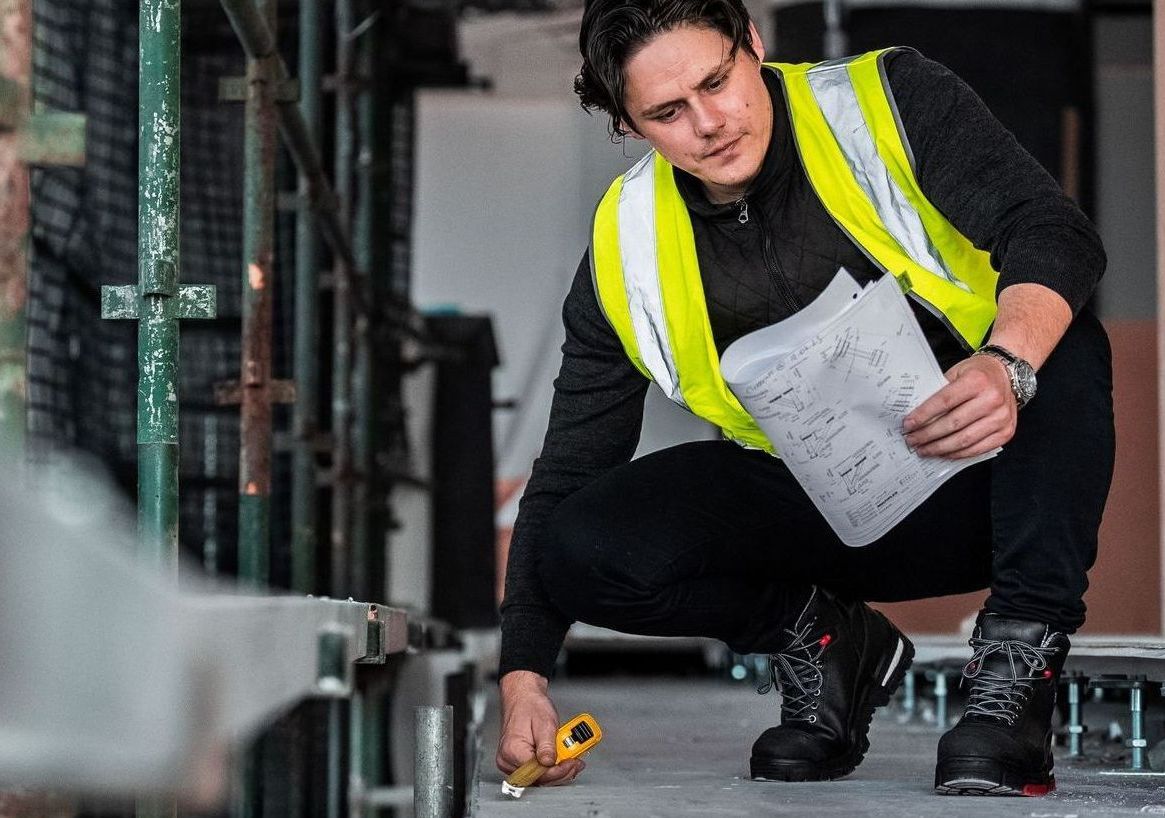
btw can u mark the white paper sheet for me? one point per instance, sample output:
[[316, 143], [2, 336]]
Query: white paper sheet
[[830, 386]]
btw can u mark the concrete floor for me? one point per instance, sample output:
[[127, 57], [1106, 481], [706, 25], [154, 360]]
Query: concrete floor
[[679, 747]]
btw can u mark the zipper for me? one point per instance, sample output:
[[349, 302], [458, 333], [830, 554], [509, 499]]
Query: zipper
[[772, 264]]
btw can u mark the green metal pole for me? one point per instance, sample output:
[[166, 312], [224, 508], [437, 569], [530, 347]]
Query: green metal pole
[[160, 23], [357, 785], [365, 584], [335, 795], [342, 317], [304, 419], [158, 159], [367, 545], [260, 135]]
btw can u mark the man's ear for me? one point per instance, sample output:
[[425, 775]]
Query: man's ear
[[758, 46], [629, 130]]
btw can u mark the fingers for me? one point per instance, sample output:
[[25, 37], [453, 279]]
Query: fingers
[[971, 415], [544, 736], [963, 427], [564, 773], [560, 774], [529, 724], [977, 438]]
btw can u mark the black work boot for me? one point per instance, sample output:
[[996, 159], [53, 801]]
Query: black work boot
[[1003, 743], [843, 659]]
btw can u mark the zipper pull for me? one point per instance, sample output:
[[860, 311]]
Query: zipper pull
[[743, 215]]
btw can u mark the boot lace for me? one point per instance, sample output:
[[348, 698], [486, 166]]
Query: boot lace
[[1003, 695], [796, 673]]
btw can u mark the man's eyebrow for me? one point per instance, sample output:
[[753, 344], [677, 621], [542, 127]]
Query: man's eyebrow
[[708, 79]]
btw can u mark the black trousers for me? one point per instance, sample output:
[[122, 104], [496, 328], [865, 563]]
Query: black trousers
[[710, 539]]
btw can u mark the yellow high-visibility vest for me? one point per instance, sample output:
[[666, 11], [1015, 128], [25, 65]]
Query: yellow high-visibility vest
[[858, 161]]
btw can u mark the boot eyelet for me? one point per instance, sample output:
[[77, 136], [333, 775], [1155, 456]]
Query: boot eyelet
[[812, 719]]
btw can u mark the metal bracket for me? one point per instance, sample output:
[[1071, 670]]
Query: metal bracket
[[13, 105], [53, 138], [235, 89], [230, 393], [45, 138], [123, 302], [333, 677]]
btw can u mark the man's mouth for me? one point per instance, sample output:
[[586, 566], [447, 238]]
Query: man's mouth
[[727, 146]]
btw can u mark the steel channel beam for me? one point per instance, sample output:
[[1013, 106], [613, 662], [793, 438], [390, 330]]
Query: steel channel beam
[[259, 146], [342, 566], [305, 421]]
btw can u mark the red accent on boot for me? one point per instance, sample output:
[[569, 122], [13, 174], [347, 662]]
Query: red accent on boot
[[825, 640], [1038, 789]]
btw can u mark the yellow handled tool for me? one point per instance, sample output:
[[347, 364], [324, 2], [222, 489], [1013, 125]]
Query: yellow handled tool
[[575, 738]]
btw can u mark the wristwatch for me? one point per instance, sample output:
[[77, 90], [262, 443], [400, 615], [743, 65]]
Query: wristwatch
[[1023, 377]]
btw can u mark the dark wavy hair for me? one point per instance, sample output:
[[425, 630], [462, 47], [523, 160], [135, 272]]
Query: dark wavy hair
[[614, 30]]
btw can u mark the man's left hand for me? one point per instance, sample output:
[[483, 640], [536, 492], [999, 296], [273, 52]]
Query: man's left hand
[[972, 414]]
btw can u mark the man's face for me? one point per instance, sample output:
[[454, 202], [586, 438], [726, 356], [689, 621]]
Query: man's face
[[705, 111]]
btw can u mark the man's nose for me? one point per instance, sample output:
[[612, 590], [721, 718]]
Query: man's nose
[[708, 120]]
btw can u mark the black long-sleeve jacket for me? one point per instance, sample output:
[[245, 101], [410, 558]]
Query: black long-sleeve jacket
[[968, 165]]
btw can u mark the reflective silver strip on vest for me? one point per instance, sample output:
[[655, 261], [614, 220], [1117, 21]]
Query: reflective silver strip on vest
[[833, 89], [641, 273]]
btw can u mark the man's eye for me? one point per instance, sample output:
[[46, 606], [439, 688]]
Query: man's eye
[[716, 84], [666, 116]]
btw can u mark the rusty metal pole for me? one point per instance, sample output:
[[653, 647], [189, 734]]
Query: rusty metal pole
[[15, 68], [342, 316], [261, 133]]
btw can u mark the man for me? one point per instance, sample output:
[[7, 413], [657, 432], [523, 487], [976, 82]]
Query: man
[[763, 182]]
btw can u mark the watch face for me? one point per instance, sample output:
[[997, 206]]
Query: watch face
[[1025, 382]]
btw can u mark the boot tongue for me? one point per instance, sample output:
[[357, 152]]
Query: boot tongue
[[997, 628]]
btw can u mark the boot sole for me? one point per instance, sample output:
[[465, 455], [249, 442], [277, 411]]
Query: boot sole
[[891, 675], [984, 776]]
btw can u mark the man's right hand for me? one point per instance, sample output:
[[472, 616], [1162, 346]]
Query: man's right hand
[[529, 725]]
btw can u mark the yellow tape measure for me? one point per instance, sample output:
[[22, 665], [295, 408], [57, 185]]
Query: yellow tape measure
[[575, 738]]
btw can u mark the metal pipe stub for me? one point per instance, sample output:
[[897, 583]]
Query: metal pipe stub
[[433, 762], [1136, 686], [1076, 728]]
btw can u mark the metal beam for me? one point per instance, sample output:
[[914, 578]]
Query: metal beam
[[170, 678]]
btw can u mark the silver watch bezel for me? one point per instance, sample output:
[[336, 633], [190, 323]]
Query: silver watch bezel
[[1021, 374]]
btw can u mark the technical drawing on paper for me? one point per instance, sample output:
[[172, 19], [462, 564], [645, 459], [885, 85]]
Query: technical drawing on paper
[[858, 352], [901, 396], [854, 470], [814, 440]]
